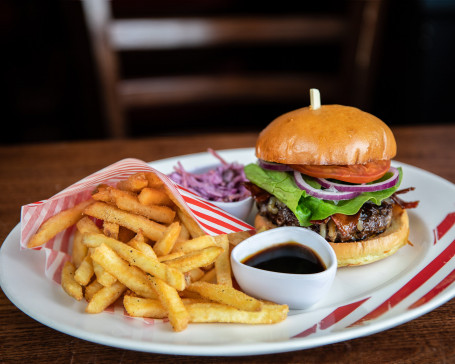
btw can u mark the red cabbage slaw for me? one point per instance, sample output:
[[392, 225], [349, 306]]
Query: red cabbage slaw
[[223, 183]]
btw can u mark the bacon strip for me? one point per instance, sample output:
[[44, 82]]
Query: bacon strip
[[258, 193], [404, 204]]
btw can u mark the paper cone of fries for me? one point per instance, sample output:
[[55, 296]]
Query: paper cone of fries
[[128, 232]]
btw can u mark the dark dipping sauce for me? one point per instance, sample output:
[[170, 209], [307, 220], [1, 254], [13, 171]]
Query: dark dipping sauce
[[289, 257]]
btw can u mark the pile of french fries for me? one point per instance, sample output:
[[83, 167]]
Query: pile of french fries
[[135, 242]]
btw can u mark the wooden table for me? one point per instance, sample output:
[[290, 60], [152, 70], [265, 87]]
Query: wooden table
[[33, 172]]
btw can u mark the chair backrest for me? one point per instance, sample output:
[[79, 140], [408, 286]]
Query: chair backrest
[[355, 31]]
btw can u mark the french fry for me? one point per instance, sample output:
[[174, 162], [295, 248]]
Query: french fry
[[206, 312], [195, 274], [162, 214], [217, 312], [153, 180], [91, 289], [196, 259], [154, 196], [238, 237], [103, 277], [171, 256], [87, 225], [129, 202], [169, 298], [164, 245], [226, 295], [134, 183], [132, 277], [198, 243], [58, 223], [191, 225], [111, 229], [69, 284], [139, 243], [105, 297], [223, 262], [100, 188], [136, 258], [84, 272], [139, 237], [103, 211], [79, 250], [144, 307], [153, 308], [209, 276], [103, 194], [185, 294], [184, 234]]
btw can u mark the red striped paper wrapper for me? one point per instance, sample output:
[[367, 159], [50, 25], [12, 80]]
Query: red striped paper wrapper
[[210, 218]]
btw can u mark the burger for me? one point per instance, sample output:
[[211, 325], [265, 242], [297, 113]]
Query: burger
[[329, 170]]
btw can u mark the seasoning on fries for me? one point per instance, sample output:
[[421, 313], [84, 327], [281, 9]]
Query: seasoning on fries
[[135, 242]]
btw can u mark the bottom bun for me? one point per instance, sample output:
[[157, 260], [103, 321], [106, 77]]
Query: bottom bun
[[364, 251]]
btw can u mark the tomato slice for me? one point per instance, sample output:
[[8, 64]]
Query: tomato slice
[[355, 173]]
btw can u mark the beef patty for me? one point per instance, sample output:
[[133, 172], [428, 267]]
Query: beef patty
[[371, 219]]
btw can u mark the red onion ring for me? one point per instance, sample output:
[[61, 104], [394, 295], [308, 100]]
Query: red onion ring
[[338, 191], [389, 182], [274, 166], [322, 194]]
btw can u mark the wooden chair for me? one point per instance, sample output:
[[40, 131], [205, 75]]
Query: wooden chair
[[356, 31]]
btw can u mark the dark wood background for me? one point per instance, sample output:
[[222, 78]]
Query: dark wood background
[[50, 91]]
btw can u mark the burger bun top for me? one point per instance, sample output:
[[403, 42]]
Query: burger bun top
[[329, 135]]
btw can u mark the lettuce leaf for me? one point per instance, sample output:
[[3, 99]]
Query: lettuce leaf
[[304, 206]]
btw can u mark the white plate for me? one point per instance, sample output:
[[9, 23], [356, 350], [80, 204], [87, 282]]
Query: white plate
[[410, 283]]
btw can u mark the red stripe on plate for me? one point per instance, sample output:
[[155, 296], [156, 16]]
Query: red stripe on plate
[[419, 279], [444, 226], [334, 317], [308, 331], [340, 313], [447, 281]]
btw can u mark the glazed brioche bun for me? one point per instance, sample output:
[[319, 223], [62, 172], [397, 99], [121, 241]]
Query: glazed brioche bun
[[329, 135], [365, 251]]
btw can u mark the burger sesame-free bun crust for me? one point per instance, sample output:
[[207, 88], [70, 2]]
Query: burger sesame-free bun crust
[[330, 135], [365, 251]]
